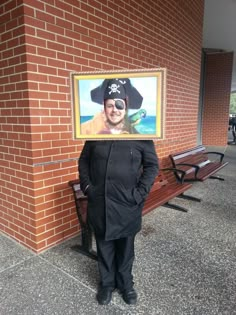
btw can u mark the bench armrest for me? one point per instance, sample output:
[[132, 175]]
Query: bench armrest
[[197, 168], [75, 185], [217, 153], [73, 182], [176, 171]]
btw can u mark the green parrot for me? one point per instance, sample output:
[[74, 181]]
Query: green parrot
[[135, 118]]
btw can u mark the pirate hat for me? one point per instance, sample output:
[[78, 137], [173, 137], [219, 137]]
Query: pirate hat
[[117, 88], [114, 90]]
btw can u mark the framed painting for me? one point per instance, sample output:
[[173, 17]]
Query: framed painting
[[127, 104]]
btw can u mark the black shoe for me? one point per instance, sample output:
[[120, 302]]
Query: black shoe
[[104, 295], [130, 296]]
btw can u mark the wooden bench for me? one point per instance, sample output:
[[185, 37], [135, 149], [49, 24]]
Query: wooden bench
[[196, 164], [163, 190]]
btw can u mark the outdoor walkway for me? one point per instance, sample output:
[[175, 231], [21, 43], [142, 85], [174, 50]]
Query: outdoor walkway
[[185, 263]]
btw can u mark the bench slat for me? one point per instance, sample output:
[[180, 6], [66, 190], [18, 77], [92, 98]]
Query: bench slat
[[158, 198]]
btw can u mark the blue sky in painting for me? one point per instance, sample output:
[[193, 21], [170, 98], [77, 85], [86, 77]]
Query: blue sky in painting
[[147, 87]]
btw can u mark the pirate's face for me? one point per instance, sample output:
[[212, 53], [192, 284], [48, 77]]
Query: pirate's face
[[115, 110]]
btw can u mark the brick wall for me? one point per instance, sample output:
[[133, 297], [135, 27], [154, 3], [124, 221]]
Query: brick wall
[[42, 42], [218, 75]]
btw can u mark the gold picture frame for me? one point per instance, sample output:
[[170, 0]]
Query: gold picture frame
[[146, 103]]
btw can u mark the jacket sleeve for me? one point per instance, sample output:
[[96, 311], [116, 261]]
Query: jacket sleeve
[[149, 172], [84, 167]]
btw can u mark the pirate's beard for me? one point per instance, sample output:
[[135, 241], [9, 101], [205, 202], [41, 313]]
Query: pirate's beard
[[119, 125]]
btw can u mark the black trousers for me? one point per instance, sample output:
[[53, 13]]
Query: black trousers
[[115, 262]]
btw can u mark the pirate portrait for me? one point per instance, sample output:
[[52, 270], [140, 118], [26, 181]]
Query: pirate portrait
[[114, 107], [116, 96]]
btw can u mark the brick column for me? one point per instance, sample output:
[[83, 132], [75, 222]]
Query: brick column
[[218, 74], [42, 44]]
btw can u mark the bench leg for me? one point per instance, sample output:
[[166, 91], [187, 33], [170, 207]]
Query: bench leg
[[175, 207], [86, 245], [217, 177], [183, 196]]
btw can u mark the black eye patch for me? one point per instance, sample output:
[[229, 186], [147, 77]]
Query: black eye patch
[[119, 104]]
